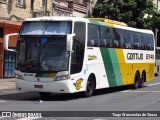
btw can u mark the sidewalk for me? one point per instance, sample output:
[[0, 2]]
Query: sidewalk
[[7, 84]]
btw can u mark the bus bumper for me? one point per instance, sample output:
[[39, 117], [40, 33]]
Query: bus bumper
[[64, 86]]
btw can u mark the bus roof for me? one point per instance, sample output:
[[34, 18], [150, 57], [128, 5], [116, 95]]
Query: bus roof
[[55, 18], [135, 29], [109, 21], [106, 22]]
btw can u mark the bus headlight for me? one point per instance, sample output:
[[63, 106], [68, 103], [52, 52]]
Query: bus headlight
[[64, 77], [19, 77]]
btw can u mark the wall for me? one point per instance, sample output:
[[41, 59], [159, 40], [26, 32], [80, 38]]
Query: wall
[[9, 27]]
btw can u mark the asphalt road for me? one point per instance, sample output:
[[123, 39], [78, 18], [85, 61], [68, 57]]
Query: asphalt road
[[113, 99]]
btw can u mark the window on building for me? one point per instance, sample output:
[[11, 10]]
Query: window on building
[[21, 2], [1, 32], [44, 6], [32, 4], [3, 0]]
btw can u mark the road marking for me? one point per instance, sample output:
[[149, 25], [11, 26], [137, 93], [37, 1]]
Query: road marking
[[141, 91], [153, 84], [29, 118], [2, 101], [100, 119]]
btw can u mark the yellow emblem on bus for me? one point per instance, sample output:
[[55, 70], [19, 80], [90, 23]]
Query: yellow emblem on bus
[[78, 84], [52, 75]]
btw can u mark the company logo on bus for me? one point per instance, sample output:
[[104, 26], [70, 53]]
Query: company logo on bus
[[139, 56]]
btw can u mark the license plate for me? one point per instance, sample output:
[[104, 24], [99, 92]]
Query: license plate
[[38, 86]]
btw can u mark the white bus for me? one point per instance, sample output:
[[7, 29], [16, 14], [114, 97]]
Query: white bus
[[69, 54], [157, 68]]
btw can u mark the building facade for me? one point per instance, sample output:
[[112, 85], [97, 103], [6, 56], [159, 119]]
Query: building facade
[[69, 8], [18, 10]]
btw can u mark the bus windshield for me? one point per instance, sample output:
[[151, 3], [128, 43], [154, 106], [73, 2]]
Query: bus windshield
[[46, 28], [42, 54]]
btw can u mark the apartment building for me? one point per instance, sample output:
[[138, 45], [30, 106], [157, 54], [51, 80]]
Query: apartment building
[[69, 8]]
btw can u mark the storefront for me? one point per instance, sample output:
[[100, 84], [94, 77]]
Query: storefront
[[7, 59]]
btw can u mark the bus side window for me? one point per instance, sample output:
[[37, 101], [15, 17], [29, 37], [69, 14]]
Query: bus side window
[[116, 38], [78, 47], [143, 43], [150, 43], [136, 41], [93, 35], [126, 39], [106, 40]]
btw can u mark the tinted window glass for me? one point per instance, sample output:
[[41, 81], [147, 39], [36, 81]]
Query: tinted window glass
[[136, 41], [143, 41], [126, 38], [149, 42], [106, 37], [46, 28], [116, 38], [78, 47], [93, 35]]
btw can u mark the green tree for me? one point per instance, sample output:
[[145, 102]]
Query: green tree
[[135, 13]]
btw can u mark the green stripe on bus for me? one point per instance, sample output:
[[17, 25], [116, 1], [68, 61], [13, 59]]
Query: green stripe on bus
[[108, 66], [98, 22], [93, 21], [116, 67], [111, 66], [102, 23]]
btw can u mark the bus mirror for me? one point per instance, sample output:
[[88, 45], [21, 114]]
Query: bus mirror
[[70, 42], [6, 41]]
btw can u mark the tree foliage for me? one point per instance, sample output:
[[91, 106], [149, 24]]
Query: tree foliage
[[136, 13]]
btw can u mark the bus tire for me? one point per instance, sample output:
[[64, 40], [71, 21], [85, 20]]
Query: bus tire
[[44, 94], [136, 81], [142, 80], [90, 87]]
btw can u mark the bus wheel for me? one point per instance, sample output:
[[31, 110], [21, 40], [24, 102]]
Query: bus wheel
[[142, 80], [44, 94], [90, 87], [136, 81]]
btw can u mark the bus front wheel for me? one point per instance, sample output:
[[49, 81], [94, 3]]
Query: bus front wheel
[[90, 87]]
